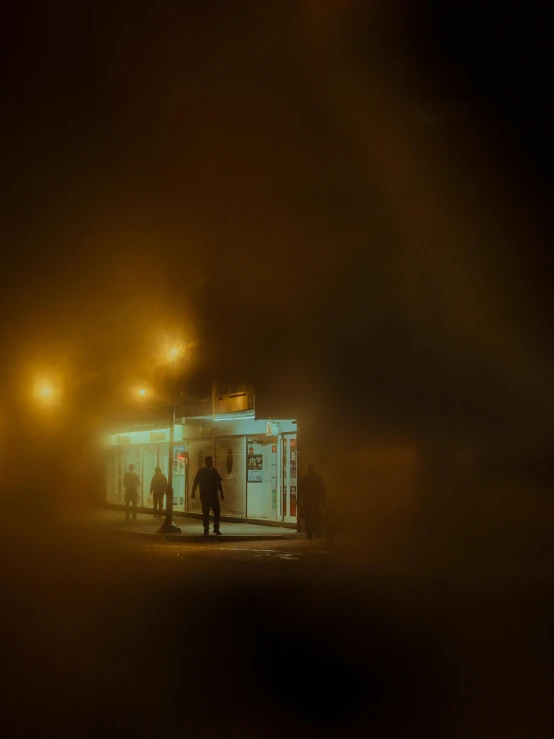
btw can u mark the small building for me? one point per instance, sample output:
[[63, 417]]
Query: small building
[[257, 457]]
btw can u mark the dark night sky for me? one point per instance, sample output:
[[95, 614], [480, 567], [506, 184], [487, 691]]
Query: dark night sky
[[335, 198]]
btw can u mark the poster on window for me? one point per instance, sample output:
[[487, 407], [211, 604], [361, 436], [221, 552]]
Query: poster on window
[[255, 461], [255, 467], [293, 500]]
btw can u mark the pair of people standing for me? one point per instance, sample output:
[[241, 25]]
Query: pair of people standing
[[158, 488]]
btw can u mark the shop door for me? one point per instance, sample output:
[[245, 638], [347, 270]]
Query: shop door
[[230, 462], [179, 472], [289, 478], [198, 450], [129, 455], [111, 475], [150, 460], [261, 476], [154, 455]]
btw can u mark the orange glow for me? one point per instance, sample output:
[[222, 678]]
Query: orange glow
[[46, 392], [173, 354]]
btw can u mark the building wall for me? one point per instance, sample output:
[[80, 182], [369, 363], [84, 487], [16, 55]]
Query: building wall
[[230, 461], [373, 488], [198, 439], [197, 449], [261, 501]]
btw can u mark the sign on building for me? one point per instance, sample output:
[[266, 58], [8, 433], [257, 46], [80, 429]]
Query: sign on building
[[272, 428]]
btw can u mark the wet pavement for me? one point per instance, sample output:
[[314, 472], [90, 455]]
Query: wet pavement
[[146, 525], [139, 637]]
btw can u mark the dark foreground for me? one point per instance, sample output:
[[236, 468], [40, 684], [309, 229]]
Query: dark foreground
[[108, 635]]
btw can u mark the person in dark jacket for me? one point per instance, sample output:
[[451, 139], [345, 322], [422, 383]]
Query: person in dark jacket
[[158, 488], [311, 499], [209, 480], [131, 483]]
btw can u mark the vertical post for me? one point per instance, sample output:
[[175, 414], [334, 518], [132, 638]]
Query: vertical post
[[298, 474], [168, 527], [214, 392], [142, 474], [246, 481], [169, 504]]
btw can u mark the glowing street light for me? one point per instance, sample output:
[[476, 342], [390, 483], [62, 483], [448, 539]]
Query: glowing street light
[[46, 392], [173, 354], [139, 393]]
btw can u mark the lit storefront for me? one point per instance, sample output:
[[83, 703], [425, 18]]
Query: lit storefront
[[256, 458]]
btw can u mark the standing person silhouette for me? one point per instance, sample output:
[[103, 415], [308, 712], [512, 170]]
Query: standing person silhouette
[[209, 480], [131, 483], [158, 488], [311, 499]]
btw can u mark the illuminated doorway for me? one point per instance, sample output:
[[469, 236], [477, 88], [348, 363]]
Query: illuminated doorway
[[289, 478]]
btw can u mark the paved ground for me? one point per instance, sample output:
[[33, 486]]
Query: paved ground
[[139, 637], [114, 520]]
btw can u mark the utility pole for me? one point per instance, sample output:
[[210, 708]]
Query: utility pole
[[168, 527]]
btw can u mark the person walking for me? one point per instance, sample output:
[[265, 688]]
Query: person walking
[[158, 488], [131, 483], [209, 480], [311, 499]]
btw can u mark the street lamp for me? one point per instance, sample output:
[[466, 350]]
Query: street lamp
[[174, 353], [46, 392]]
